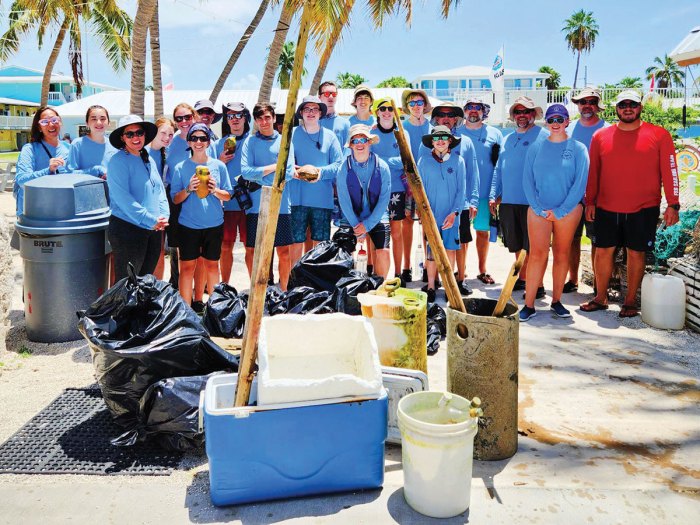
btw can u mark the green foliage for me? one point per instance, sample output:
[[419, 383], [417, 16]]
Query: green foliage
[[394, 82], [349, 80], [670, 119], [286, 64], [666, 71], [580, 31], [25, 352], [630, 83], [554, 80]]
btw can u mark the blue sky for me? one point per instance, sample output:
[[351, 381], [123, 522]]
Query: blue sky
[[198, 36]]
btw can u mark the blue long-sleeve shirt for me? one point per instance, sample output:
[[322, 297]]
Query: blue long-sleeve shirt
[[233, 166], [416, 136], [327, 156], [89, 156], [508, 175], [388, 150], [584, 134], [257, 152], [200, 213], [33, 162], [444, 184], [370, 217], [136, 191], [555, 176], [483, 140], [340, 126], [371, 121], [177, 152], [163, 167]]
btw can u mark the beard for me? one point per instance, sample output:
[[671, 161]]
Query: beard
[[474, 119], [587, 114], [628, 119], [524, 123]]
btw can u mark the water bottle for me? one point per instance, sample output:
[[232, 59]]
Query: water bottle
[[493, 224], [361, 260], [420, 257]]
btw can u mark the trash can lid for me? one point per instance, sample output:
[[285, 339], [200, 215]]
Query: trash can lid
[[63, 204]]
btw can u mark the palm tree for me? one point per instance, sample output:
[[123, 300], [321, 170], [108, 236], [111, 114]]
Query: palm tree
[[104, 17], [349, 80], [666, 71], [554, 80], [630, 83], [143, 18], [327, 43], [286, 63], [154, 31], [394, 82], [272, 62], [247, 34], [580, 31]]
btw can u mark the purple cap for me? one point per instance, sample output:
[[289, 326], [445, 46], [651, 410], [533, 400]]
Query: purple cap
[[556, 110]]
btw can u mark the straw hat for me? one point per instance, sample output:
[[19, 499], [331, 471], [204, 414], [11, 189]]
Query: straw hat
[[590, 92], [527, 103], [427, 108], [115, 138]]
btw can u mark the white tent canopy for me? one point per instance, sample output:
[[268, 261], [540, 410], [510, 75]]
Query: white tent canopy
[[687, 53]]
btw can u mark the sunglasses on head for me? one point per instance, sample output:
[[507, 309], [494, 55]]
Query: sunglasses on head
[[522, 111], [440, 137], [588, 102], [386, 108], [199, 138], [329, 94], [360, 140], [474, 107], [558, 120], [450, 115], [419, 103], [234, 116], [628, 104], [183, 117], [206, 111], [47, 121], [132, 134]]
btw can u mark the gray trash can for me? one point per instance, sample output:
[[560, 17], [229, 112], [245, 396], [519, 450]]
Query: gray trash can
[[64, 248]]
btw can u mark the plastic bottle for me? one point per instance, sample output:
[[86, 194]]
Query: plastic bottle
[[420, 257], [361, 260], [493, 227]]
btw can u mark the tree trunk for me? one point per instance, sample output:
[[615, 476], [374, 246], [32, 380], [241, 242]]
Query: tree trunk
[[144, 15], [46, 80], [154, 29], [237, 52], [328, 49], [578, 58], [275, 52]]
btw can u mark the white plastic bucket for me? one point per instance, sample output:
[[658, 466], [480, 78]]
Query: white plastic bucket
[[437, 440], [663, 301]]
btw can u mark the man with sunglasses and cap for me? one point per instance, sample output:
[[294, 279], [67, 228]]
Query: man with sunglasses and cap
[[444, 176], [364, 189], [317, 155], [207, 115], [487, 142], [630, 162], [328, 93], [362, 100], [589, 103]]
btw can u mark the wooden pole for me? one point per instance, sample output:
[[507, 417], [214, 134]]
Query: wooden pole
[[425, 212], [267, 224], [508, 286]]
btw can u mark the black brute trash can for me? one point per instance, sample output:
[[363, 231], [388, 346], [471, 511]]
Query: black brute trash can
[[64, 248]]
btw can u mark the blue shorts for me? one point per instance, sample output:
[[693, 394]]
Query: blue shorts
[[483, 216], [318, 220], [450, 239]]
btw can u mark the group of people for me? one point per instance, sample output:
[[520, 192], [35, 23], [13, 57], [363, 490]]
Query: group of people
[[176, 188]]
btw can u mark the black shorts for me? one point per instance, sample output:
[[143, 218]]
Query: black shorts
[[200, 243], [465, 231], [590, 227], [636, 231], [380, 235], [283, 235], [514, 226], [397, 206], [173, 227]]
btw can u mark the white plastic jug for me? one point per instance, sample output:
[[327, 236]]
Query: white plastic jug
[[437, 440], [663, 301]]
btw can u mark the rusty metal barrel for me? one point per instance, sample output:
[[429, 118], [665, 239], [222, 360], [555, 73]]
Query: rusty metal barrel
[[482, 361]]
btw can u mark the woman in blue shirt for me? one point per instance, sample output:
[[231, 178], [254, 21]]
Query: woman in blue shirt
[[554, 181], [137, 198], [91, 153], [44, 155]]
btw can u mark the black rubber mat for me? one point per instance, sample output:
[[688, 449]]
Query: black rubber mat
[[71, 436]]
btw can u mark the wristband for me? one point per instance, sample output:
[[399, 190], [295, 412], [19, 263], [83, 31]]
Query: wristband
[[676, 207], [188, 190]]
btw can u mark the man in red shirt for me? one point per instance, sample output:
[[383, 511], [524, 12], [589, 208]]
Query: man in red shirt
[[629, 164]]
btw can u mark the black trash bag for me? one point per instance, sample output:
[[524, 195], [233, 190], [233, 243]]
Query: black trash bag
[[433, 339], [437, 327], [169, 415], [346, 290], [224, 314], [345, 238], [312, 302], [141, 331], [322, 267], [275, 300]]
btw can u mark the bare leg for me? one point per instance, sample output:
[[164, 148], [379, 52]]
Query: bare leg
[[603, 273], [635, 272], [432, 273], [564, 230], [186, 275], [482, 249], [540, 232], [249, 254], [461, 257], [212, 273], [226, 260], [308, 243], [574, 259], [295, 252], [283, 266], [396, 245], [407, 234], [381, 262], [200, 278]]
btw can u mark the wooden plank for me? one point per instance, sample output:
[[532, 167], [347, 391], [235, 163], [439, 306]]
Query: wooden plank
[[507, 291]]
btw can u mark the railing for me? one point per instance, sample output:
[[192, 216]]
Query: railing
[[56, 98], [9, 122]]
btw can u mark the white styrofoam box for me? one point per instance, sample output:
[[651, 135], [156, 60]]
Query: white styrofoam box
[[400, 382], [313, 357]]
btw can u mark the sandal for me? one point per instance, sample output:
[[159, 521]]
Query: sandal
[[593, 306], [485, 278], [629, 310]]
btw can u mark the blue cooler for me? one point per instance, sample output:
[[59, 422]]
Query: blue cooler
[[297, 449]]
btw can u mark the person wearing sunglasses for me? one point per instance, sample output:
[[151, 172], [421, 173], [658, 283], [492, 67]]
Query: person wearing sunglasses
[[388, 150], [44, 154], [201, 218], [90, 153], [317, 151], [362, 100], [328, 93], [258, 164], [630, 162], [507, 196], [487, 142], [235, 125], [137, 198], [554, 180], [589, 104], [208, 116], [364, 190], [444, 176]]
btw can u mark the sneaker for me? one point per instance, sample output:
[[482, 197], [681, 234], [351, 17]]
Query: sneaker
[[370, 270], [431, 295], [559, 310], [198, 307], [464, 288], [527, 313], [540, 293], [570, 287], [407, 275], [519, 285]]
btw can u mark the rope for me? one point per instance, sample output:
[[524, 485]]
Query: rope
[[671, 241]]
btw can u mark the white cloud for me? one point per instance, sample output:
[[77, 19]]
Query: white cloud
[[231, 15], [250, 81]]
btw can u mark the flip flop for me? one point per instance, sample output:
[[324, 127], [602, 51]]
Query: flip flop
[[593, 306], [628, 310], [485, 278]]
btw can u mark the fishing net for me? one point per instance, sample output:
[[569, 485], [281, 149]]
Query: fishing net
[[671, 241]]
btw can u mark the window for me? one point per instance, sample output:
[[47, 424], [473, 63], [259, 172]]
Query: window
[[426, 84]]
